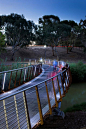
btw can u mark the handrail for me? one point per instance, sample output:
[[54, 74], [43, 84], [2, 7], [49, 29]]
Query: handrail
[[18, 78], [34, 105], [31, 86]]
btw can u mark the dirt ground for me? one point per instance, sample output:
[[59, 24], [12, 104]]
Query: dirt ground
[[74, 120], [46, 53]]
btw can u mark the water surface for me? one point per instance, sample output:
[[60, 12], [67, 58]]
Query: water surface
[[76, 95]]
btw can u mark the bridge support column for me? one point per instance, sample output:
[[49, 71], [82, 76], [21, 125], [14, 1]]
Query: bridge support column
[[58, 112]]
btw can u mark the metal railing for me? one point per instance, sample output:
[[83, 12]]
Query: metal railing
[[26, 108], [13, 78]]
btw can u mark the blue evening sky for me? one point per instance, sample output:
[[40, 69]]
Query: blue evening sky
[[34, 9]]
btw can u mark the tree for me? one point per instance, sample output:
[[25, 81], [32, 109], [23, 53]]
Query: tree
[[47, 31], [71, 40], [2, 42], [19, 31], [82, 34]]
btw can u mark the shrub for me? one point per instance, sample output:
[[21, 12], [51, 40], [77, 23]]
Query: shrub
[[78, 71]]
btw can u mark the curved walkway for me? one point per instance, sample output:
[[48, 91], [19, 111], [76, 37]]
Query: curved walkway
[[46, 70], [14, 101]]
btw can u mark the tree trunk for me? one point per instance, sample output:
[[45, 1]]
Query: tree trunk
[[53, 50], [12, 56], [67, 47], [13, 52]]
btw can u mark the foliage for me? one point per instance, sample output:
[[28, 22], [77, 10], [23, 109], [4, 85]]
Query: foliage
[[2, 42], [19, 31], [77, 107], [17, 64], [51, 30], [78, 72], [83, 32]]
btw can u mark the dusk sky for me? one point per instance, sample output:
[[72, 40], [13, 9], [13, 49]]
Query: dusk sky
[[34, 9]]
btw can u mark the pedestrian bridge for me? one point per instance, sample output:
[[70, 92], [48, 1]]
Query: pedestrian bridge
[[26, 106]]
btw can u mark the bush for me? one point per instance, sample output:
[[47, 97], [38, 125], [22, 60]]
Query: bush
[[78, 72]]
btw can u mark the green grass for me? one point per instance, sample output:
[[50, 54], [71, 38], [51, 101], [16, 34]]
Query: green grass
[[77, 107], [14, 65], [17, 64]]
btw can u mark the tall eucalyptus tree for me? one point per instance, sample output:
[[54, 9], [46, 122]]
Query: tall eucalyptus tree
[[19, 31]]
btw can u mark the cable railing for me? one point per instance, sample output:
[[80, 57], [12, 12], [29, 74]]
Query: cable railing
[[13, 78], [26, 108]]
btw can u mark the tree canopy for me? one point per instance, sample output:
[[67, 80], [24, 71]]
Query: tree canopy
[[2, 41], [19, 31], [51, 30]]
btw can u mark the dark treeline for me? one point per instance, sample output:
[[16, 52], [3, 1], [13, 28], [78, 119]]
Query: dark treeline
[[51, 31]]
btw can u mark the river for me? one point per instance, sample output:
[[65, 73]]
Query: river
[[76, 95]]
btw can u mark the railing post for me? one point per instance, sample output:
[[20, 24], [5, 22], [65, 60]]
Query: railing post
[[10, 81], [48, 99], [39, 66], [59, 89], [27, 73], [62, 84], [24, 75], [15, 79], [30, 73], [4, 81], [39, 105], [20, 78], [35, 62], [29, 61], [35, 71], [16, 111], [54, 93], [65, 82], [5, 114], [26, 110]]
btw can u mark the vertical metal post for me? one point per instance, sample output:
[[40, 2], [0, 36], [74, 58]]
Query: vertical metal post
[[15, 79], [30, 73], [48, 99], [10, 81], [68, 81], [59, 89], [16, 111], [24, 75], [54, 93], [5, 114], [30, 61], [39, 105], [26, 110], [4, 81], [58, 63], [65, 83], [35, 62], [35, 71], [27, 73], [62, 85], [20, 78]]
